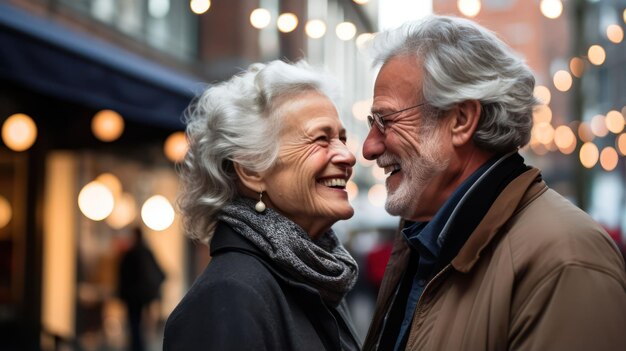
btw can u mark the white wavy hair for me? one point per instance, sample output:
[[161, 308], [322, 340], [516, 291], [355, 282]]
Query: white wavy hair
[[237, 121], [462, 61]]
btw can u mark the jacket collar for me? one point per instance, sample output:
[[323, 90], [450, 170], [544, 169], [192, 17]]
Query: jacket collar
[[515, 196], [519, 193]]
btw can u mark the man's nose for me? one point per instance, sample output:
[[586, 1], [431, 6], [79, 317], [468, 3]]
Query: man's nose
[[374, 144]]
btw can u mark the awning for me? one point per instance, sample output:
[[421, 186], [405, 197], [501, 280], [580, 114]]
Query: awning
[[50, 59]]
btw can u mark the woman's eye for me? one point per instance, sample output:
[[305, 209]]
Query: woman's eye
[[322, 138]]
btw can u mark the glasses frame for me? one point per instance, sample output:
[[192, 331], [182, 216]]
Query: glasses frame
[[379, 120]]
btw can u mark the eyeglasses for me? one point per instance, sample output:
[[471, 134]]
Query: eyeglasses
[[379, 120]]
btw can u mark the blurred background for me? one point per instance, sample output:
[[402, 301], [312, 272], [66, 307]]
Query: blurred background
[[91, 98]]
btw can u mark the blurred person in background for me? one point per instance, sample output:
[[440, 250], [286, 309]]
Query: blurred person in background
[[263, 182], [489, 257], [140, 278]]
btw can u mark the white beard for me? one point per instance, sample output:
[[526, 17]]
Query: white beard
[[417, 173]]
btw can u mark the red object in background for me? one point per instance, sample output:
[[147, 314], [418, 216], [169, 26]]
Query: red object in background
[[376, 262]]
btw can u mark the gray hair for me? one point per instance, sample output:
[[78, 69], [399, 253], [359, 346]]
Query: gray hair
[[237, 121], [464, 61]]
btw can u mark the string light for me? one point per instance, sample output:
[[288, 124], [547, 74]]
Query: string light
[[287, 22], [562, 80], [260, 18], [107, 125], [596, 54], [543, 94], [598, 126], [469, 8], [542, 113], [363, 39], [377, 195], [315, 28], [621, 144], [551, 8], [577, 66], [584, 132], [589, 155], [157, 213], [19, 132], [614, 122], [200, 6], [175, 146], [615, 33], [95, 201], [345, 30], [361, 2], [608, 158], [565, 139], [6, 213]]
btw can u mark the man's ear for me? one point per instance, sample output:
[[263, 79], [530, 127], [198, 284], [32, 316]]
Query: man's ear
[[252, 180], [465, 121]]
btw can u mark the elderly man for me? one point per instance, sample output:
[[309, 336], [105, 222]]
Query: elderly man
[[489, 257]]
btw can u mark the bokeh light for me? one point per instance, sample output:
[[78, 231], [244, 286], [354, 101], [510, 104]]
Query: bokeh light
[[200, 6], [589, 155], [19, 132], [615, 33], [542, 113], [345, 30], [363, 39], [157, 213], [287, 22], [596, 54], [361, 108], [565, 139], [361, 2], [551, 8], [598, 126], [543, 94], [112, 182], [315, 28], [562, 80], [175, 146], [469, 8], [584, 132], [95, 201], [614, 122], [621, 144], [544, 132], [352, 189], [6, 213], [107, 125], [124, 211], [260, 18], [577, 66], [377, 195], [608, 158]]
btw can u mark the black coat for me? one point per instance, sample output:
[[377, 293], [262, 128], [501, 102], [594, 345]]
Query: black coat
[[243, 302]]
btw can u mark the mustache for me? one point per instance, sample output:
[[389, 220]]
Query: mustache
[[387, 159]]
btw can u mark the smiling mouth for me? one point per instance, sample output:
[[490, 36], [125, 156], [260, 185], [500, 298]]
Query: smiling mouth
[[335, 183], [392, 169]]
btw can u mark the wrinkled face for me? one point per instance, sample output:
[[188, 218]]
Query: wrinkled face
[[308, 182], [413, 153]]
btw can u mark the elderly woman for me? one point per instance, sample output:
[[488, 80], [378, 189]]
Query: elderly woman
[[264, 180]]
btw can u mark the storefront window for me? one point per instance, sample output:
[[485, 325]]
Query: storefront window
[[167, 25]]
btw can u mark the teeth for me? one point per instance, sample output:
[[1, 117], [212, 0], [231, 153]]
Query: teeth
[[392, 168], [334, 182]]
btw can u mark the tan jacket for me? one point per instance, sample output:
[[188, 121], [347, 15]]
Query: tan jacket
[[536, 274]]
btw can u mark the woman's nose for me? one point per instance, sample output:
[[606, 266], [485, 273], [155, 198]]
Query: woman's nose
[[374, 144], [343, 155]]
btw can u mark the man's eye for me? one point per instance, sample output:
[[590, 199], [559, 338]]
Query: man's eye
[[343, 139]]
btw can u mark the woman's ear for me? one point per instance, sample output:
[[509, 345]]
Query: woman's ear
[[465, 121], [251, 179]]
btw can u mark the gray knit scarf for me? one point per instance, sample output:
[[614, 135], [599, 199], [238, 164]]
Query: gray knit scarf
[[323, 264]]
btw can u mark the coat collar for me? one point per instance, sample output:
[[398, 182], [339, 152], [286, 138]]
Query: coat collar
[[515, 196], [519, 193]]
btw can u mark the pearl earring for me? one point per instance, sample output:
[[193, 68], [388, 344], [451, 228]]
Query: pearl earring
[[260, 206]]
